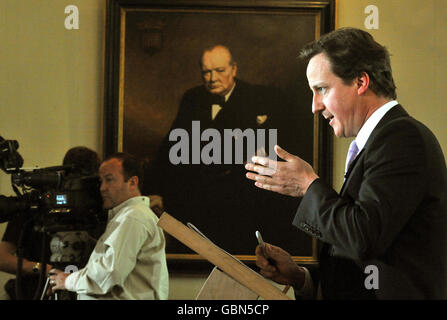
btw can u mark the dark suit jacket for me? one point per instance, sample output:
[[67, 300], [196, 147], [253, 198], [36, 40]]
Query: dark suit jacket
[[391, 213], [218, 198]]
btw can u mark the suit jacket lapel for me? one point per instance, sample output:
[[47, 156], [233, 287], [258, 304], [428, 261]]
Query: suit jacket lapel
[[231, 113], [396, 112]]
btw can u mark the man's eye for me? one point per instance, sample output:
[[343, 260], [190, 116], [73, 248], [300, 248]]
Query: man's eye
[[321, 90]]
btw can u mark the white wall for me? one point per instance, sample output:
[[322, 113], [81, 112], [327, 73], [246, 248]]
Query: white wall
[[50, 81]]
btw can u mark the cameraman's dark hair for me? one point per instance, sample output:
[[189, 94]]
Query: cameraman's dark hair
[[85, 160], [132, 166], [353, 51]]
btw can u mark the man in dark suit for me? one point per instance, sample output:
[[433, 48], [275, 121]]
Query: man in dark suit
[[384, 235], [213, 196]]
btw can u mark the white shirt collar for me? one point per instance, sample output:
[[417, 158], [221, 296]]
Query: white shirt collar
[[371, 123], [131, 201]]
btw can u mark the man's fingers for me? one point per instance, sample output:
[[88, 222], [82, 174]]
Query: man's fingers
[[283, 154], [268, 183], [267, 274], [265, 162], [258, 251], [265, 171], [262, 262], [259, 178], [270, 250], [260, 160], [251, 176]]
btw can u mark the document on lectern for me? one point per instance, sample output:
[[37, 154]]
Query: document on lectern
[[227, 263]]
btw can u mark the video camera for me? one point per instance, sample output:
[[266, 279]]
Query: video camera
[[62, 198]]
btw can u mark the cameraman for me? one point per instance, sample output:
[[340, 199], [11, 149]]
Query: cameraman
[[129, 260], [85, 162]]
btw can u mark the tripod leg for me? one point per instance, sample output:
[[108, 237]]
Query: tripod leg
[[45, 288]]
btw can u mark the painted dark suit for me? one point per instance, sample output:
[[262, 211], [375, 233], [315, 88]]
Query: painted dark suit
[[391, 213], [217, 198]]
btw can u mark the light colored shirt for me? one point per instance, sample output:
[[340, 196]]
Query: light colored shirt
[[371, 123], [128, 261]]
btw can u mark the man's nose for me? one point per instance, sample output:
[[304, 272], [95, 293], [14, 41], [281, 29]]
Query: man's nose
[[317, 105], [212, 76]]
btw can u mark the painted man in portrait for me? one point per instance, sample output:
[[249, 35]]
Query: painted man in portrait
[[213, 195]]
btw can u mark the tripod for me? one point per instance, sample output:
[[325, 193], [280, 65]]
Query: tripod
[[45, 288]]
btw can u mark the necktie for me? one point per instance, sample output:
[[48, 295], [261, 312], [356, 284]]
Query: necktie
[[352, 153]]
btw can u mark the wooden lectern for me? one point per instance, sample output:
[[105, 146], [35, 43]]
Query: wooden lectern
[[230, 273]]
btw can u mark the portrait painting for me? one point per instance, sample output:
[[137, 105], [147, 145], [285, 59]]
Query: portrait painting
[[156, 90]]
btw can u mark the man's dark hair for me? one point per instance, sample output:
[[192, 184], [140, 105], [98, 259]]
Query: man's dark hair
[[353, 51], [85, 161], [132, 166]]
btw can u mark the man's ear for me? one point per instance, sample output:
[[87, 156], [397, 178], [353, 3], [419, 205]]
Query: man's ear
[[362, 83], [133, 181]]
